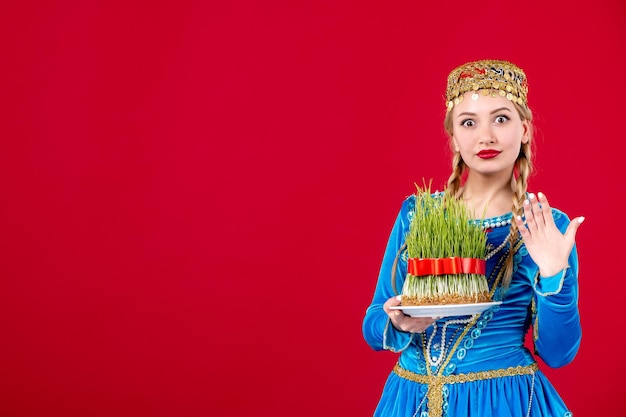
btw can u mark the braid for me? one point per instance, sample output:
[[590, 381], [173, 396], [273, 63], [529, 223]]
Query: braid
[[524, 166], [454, 181]]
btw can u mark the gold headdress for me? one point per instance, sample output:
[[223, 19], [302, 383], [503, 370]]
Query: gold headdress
[[492, 77]]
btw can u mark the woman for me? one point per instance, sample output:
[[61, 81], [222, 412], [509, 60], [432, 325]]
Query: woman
[[478, 365]]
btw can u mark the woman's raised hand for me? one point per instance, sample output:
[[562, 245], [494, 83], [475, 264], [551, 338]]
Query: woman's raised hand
[[547, 246]]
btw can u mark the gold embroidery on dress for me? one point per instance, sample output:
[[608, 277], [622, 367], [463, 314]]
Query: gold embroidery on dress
[[436, 382]]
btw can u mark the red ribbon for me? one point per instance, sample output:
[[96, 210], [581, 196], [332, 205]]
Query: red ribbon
[[444, 266]]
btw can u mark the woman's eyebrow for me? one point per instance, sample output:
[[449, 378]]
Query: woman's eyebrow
[[466, 113], [500, 109]]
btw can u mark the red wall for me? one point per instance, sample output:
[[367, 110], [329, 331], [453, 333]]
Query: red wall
[[195, 196]]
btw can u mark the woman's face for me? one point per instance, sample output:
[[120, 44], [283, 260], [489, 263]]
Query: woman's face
[[488, 132]]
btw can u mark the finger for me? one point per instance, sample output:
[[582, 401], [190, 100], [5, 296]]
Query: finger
[[391, 302], [393, 314], [537, 213], [396, 301], [573, 227], [545, 209], [398, 319], [416, 324], [531, 224], [521, 226]]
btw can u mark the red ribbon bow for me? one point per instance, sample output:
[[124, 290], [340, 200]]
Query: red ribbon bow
[[445, 266]]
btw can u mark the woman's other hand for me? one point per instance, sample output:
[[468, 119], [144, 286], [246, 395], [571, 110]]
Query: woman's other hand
[[403, 322]]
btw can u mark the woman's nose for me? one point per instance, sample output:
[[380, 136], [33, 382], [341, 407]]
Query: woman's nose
[[486, 134]]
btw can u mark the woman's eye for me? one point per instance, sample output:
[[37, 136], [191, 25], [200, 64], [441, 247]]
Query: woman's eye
[[501, 119], [467, 123]]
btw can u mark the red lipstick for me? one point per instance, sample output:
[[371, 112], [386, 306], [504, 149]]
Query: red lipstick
[[488, 153]]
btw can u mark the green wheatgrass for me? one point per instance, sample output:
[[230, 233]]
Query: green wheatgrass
[[442, 228]]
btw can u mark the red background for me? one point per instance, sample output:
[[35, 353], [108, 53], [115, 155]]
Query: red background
[[196, 195]]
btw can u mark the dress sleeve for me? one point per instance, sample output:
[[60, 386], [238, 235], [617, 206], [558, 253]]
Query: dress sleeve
[[377, 329], [556, 328]]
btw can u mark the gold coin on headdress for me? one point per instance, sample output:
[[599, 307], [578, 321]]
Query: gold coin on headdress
[[492, 77]]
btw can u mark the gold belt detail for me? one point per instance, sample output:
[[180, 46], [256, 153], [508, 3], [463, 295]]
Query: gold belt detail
[[436, 382]]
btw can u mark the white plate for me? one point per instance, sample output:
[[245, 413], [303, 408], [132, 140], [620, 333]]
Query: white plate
[[446, 310]]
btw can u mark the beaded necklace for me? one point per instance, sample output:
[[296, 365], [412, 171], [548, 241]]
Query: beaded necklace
[[434, 362]]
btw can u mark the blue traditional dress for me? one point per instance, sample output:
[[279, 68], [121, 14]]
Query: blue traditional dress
[[478, 366]]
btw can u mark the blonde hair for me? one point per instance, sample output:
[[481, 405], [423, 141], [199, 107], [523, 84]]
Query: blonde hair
[[523, 168]]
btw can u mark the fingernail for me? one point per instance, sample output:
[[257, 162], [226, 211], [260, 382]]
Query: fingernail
[[540, 194], [526, 202], [531, 196], [581, 219], [399, 298], [397, 313], [519, 218]]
